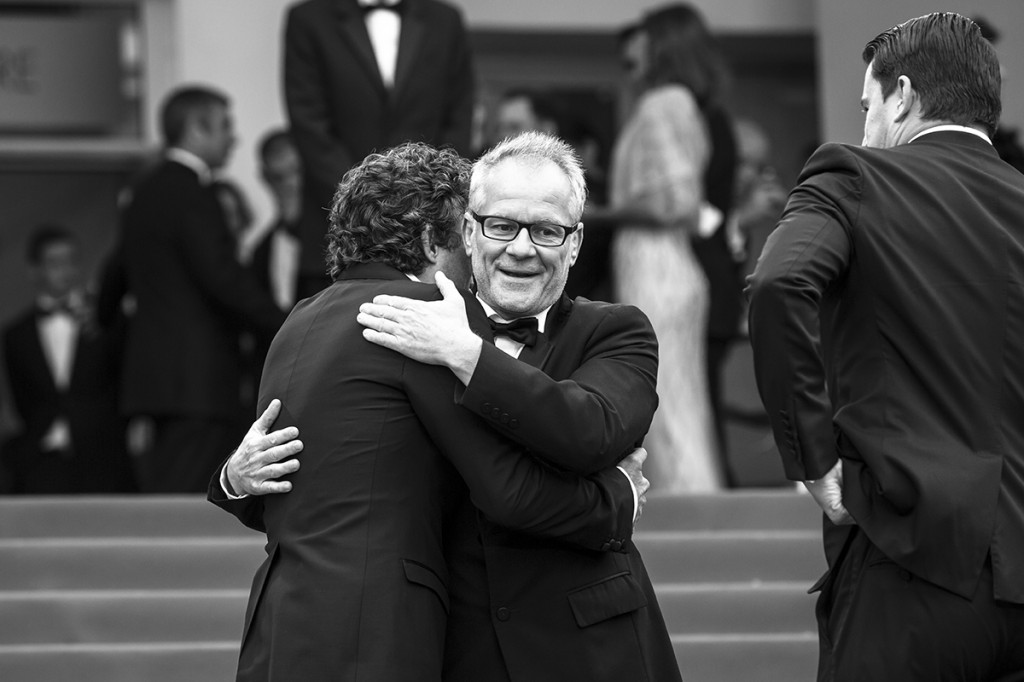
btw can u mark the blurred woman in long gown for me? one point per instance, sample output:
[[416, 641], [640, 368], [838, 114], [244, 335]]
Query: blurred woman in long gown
[[656, 192]]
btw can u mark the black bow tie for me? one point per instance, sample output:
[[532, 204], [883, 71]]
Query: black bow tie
[[523, 330], [369, 7], [54, 306]]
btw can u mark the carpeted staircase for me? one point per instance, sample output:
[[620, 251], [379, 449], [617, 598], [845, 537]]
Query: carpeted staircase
[[153, 589]]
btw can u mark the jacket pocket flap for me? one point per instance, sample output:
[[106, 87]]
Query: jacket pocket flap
[[611, 597], [421, 575]]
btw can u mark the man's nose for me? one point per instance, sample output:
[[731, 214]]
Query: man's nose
[[521, 246]]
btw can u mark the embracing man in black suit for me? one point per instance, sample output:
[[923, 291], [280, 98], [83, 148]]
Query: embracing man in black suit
[[573, 383], [887, 320]]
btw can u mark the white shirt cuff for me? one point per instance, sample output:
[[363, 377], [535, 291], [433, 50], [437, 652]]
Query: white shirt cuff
[[636, 498], [227, 488]]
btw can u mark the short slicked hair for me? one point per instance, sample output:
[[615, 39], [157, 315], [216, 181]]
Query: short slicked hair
[[184, 103], [950, 64], [43, 237]]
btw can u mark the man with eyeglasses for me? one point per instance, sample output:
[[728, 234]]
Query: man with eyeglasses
[[524, 608], [572, 380]]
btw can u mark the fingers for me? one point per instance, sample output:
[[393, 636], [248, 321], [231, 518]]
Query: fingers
[[381, 339], [272, 487], [386, 302], [286, 447], [641, 455], [266, 420]]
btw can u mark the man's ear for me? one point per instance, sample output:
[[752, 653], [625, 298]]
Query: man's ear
[[429, 250], [907, 97], [467, 234], [575, 242]]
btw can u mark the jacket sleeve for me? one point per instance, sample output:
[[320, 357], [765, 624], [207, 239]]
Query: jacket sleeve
[[208, 251], [458, 118], [588, 421], [248, 510], [512, 488], [807, 253]]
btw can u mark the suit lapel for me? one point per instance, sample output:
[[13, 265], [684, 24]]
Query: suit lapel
[[414, 32], [353, 30], [539, 354], [36, 356]]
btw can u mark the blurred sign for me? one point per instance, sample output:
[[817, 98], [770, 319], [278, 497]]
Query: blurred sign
[[59, 74]]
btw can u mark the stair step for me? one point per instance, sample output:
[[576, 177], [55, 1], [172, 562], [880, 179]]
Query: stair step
[[130, 563], [732, 556], [737, 608], [229, 563], [704, 658], [765, 658], [184, 515], [120, 616], [735, 510], [115, 516], [112, 616], [166, 662]]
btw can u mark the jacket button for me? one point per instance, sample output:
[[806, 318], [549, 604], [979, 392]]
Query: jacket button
[[487, 407], [504, 418], [496, 412], [616, 545], [513, 423], [606, 546], [503, 613]]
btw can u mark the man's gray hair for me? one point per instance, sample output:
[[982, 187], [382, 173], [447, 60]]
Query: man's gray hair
[[533, 148]]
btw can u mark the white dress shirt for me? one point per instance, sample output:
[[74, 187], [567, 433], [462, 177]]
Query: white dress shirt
[[385, 28]]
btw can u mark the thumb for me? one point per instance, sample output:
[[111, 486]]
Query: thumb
[[446, 286]]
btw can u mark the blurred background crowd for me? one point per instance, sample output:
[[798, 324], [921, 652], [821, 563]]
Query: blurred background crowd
[[138, 301]]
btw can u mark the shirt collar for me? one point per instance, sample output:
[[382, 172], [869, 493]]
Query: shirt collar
[[948, 127], [190, 160], [542, 316]]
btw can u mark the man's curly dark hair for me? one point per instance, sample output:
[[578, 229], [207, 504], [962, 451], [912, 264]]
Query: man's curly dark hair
[[383, 205]]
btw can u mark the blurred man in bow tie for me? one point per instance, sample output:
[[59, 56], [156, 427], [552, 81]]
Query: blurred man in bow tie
[[63, 374], [365, 75]]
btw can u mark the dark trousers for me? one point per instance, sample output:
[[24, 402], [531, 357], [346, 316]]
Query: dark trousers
[[185, 453], [877, 622]]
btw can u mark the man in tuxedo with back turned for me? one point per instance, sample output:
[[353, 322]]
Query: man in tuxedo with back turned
[[365, 75], [887, 321]]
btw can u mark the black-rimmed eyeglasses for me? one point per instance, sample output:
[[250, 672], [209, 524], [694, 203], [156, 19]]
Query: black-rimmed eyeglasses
[[506, 230]]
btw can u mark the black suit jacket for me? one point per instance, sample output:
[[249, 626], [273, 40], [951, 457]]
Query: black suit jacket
[[98, 461], [355, 584], [192, 297], [525, 608], [340, 110], [887, 319]]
